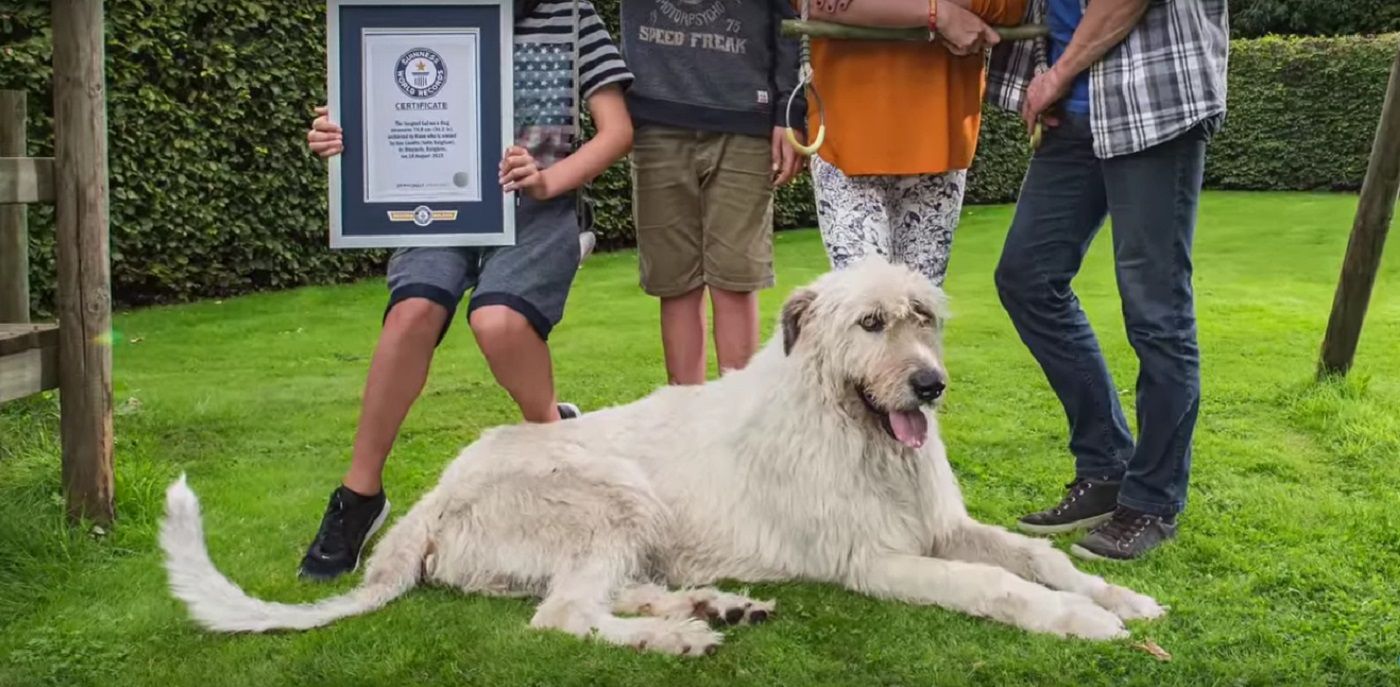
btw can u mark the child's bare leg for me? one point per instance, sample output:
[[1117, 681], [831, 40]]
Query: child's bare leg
[[396, 377], [519, 359]]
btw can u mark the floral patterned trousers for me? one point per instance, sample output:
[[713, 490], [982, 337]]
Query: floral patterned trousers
[[907, 219]]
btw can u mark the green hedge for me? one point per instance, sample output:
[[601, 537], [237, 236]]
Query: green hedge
[[212, 189], [213, 192], [1302, 112]]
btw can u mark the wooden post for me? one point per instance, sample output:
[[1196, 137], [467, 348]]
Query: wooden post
[[1374, 210], [84, 287], [14, 221]]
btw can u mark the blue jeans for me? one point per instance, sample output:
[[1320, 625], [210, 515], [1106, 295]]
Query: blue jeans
[[1152, 197]]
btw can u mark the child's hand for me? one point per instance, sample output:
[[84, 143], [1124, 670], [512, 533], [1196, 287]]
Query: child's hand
[[786, 162], [520, 173], [325, 138]]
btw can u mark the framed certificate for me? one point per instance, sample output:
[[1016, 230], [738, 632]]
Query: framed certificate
[[423, 92]]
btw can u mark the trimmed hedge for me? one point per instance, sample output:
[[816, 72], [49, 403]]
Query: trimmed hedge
[[1302, 113], [212, 189], [213, 192]]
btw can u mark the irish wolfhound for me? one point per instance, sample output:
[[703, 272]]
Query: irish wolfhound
[[819, 461]]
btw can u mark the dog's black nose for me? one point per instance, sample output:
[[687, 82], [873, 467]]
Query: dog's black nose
[[928, 385]]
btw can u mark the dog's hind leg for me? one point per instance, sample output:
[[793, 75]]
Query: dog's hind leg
[[705, 603], [579, 602], [1036, 560]]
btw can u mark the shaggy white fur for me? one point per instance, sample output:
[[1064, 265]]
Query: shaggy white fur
[[819, 461]]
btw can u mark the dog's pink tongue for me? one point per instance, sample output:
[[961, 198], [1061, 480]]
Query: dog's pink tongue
[[910, 427]]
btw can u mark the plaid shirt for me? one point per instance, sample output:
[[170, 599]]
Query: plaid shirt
[[1166, 77]]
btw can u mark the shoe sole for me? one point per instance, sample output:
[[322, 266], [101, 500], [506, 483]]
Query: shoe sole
[[373, 528], [1086, 523], [1088, 555]]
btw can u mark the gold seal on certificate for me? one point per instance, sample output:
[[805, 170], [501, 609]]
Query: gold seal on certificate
[[422, 131]]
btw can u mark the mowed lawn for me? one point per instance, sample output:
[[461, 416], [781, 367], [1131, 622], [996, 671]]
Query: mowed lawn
[[1287, 570]]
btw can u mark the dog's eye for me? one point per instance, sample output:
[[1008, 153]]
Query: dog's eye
[[872, 323], [924, 317]]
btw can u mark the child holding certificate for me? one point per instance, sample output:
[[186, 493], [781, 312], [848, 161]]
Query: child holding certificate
[[517, 292]]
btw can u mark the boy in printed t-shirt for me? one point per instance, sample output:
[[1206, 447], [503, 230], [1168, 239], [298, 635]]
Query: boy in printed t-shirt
[[710, 97]]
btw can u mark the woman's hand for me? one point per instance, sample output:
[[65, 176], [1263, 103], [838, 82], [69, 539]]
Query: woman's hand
[[325, 137], [520, 173], [963, 32]]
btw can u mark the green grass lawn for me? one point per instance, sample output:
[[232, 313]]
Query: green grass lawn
[[1287, 570]]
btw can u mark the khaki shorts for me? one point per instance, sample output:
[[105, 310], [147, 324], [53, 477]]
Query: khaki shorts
[[703, 207]]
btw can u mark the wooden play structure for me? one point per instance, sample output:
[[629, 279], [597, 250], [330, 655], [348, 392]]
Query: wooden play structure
[[1374, 211], [75, 355]]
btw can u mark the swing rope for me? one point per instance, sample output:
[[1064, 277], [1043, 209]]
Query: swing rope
[[805, 83]]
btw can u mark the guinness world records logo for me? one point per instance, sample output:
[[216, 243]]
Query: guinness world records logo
[[420, 73]]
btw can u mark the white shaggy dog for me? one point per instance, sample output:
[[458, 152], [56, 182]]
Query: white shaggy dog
[[816, 462]]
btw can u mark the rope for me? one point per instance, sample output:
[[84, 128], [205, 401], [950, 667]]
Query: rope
[[805, 83]]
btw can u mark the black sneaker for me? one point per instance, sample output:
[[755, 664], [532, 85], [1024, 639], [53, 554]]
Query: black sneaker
[[568, 411], [1088, 503], [1127, 536], [349, 522]]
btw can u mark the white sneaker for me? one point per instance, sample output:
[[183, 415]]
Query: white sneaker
[[586, 241]]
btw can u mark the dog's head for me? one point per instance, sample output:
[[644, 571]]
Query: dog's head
[[870, 335]]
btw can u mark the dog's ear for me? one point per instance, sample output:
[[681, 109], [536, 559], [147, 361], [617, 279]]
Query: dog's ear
[[794, 311]]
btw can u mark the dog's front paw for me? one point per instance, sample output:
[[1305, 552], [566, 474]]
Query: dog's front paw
[[1128, 604], [1078, 616], [732, 609]]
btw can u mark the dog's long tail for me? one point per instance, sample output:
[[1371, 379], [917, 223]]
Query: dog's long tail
[[219, 605]]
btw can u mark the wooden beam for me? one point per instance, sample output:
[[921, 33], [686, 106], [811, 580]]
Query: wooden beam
[[1374, 210], [825, 29], [17, 338], [26, 180], [28, 359], [14, 219], [84, 282]]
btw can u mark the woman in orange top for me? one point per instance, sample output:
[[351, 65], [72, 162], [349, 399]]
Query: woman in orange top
[[902, 122]]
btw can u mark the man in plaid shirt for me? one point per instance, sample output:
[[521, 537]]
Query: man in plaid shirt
[[1128, 93]]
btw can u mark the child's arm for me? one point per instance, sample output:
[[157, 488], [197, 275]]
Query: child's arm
[[612, 141]]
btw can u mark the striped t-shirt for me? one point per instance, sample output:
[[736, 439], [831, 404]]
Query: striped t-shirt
[[544, 74]]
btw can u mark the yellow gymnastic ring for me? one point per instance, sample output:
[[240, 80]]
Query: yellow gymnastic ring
[[807, 150]]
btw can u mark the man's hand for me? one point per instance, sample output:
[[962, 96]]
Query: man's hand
[[963, 32], [520, 173], [1047, 88], [325, 137], [786, 161]]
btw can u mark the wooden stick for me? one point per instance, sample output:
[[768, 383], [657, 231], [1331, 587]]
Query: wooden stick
[[84, 286], [1374, 210], [823, 29], [14, 219]]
